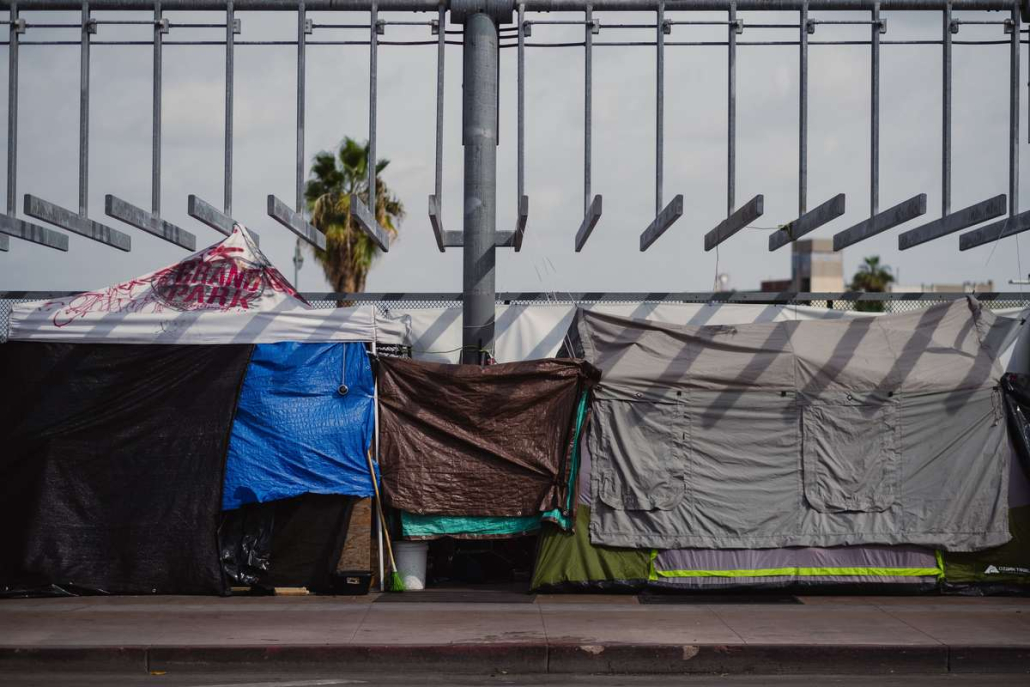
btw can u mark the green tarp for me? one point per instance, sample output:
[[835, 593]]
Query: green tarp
[[567, 560], [1005, 567]]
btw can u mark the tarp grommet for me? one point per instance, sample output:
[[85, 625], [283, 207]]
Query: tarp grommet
[[342, 390]]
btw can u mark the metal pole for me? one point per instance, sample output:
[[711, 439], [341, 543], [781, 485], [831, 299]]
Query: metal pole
[[946, 116], [373, 69], [479, 138], [155, 151], [84, 112], [302, 34], [230, 37], [12, 115], [1014, 114], [660, 110], [441, 40], [588, 105], [874, 116], [521, 106], [731, 110], [803, 116]]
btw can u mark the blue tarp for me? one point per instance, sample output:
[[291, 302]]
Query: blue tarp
[[294, 432]]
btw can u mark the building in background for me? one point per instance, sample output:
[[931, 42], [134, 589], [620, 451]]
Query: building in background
[[814, 266], [964, 287]]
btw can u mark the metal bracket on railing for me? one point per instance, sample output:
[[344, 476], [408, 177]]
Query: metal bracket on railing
[[208, 214], [359, 211], [667, 215], [1010, 226], [10, 225], [592, 206], [954, 221], [879, 223], [76, 223], [33, 233], [736, 218], [152, 224], [747, 214], [808, 222], [295, 222], [79, 222], [665, 219], [590, 220], [444, 239], [368, 224], [522, 200]]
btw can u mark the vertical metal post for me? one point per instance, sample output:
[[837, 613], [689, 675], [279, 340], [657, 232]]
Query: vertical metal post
[[660, 109], [373, 78], [12, 114], [521, 106], [731, 113], [874, 115], [1014, 114], [155, 150], [230, 39], [302, 36], [84, 112], [441, 38], [803, 115], [588, 105], [946, 117], [479, 138]]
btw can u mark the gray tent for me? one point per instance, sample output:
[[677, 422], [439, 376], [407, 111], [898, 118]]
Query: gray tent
[[884, 430]]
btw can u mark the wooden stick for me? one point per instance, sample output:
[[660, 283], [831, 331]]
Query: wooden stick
[[379, 509]]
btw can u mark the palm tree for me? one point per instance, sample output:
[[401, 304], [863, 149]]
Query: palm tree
[[349, 253], [872, 277]]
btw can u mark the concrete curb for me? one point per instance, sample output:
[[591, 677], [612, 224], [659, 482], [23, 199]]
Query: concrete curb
[[768, 659], [530, 658]]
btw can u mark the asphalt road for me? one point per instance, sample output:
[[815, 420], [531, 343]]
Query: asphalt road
[[270, 679]]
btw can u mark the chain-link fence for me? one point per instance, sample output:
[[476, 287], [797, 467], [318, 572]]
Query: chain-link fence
[[393, 302]]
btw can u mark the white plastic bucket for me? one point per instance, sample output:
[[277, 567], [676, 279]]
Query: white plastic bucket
[[411, 563]]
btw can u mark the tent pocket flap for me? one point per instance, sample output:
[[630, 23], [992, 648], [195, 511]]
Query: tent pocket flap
[[850, 453], [652, 490]]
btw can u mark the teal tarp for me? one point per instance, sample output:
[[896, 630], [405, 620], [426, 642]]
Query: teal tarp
[[414, 526]]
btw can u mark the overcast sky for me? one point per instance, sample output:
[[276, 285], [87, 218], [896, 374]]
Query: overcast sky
[[624, 109]]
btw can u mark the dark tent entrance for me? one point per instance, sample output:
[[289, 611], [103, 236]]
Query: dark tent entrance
[[481, 565]]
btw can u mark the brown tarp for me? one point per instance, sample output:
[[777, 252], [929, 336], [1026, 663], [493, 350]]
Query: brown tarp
[[471, 440]]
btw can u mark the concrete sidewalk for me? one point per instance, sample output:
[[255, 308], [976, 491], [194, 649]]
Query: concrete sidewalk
[[554, 634]]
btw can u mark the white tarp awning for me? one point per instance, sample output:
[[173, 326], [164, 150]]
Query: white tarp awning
[[226, 293]]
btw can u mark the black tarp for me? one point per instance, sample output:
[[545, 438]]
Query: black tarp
[[293, 542], [112, 465], [1017, 405]]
